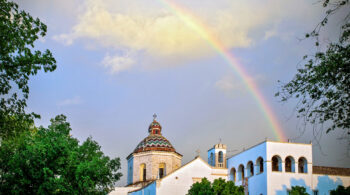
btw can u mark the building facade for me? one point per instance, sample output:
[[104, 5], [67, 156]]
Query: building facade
[[181, 180], [274, 167], [268, 168]]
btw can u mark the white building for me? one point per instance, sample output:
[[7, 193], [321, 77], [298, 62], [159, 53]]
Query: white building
[[154, 167], [268, 168], [274, 167], [180, 181]]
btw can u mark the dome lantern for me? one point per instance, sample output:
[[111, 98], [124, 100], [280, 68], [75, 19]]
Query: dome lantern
[[155, 128]]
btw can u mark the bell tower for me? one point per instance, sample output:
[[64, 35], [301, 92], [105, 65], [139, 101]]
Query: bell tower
[[217, 156]]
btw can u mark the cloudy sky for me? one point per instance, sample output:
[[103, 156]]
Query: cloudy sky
[[119, 62]]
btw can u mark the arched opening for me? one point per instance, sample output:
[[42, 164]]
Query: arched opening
[[302, 165], [233, 174], [241, 172], [276, 163], [260, 165], [250, 169], [289, 164], [220, 159], [211, 159], [161, 170], [143, 172]]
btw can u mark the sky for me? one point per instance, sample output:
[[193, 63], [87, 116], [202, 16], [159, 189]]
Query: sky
[[119, 62]]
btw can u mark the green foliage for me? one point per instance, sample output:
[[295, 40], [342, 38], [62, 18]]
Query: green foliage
[[50, 161], [219, 187], [202, 188], [298, 190], [341, 190], [322, 85], [18, 61]]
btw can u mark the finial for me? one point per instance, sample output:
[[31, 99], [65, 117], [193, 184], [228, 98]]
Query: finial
[[220, 140], [154, 116], [198, 152]]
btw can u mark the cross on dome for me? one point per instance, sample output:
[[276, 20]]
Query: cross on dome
[[154, 116]]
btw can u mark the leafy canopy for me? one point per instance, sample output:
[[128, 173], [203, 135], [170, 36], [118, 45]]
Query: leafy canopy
[[18, 61], [50, 161], [298, 190], [219, 187], [341, 190], [322, 85]]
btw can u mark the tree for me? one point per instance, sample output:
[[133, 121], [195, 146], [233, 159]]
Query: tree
[[341, 190], [219, 187], [202, 188], [19, 61], [322, 85], [50, 161], [298, 190]]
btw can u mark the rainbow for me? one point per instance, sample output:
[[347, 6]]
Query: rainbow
[[204, 32]]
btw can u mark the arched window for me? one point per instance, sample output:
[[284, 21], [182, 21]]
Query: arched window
[[289, 164], [161, 170], [302, 165], [276, 163], [233, 174], [143, 172], [250, 169], [220, 157], [260, 165], [241, 172]]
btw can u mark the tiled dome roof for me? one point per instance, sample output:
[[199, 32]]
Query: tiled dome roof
[[154, 142]]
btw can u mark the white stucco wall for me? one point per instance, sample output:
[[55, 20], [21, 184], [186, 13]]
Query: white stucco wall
[[180, 181], [279, 182], [122, 190], [275, 182]]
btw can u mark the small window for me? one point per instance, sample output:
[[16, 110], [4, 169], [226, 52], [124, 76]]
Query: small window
[[241, 172], [276, 163], [143, 172], [302, 165], [233, 174], [315, 192], [161, 170], [260, 165], [220, 157], [289, 164], [250, 167], [161, 173]]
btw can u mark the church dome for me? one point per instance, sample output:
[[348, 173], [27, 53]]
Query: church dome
[[154, 141]]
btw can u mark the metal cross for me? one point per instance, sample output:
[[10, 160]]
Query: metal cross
[[154, 116]]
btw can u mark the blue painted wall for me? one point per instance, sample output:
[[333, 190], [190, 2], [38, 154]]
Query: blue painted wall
[[211, 151], [130, 170], [257, 184], [149, 190]]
